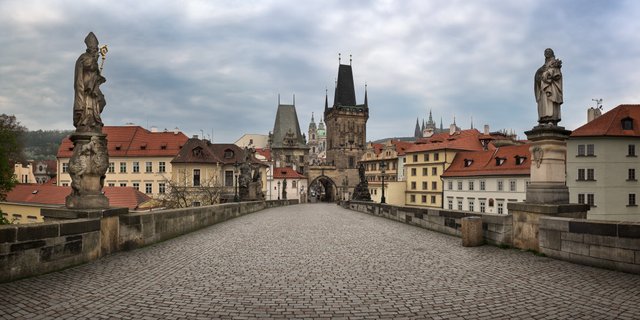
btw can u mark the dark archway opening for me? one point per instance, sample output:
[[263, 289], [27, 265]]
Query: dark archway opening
[[322, 189]]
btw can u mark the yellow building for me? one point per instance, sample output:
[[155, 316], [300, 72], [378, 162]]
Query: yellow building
[[138, 158], [387, 153], [206, 173], [428, 158]]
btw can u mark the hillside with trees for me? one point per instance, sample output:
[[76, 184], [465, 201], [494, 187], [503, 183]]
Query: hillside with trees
[[43, 144]]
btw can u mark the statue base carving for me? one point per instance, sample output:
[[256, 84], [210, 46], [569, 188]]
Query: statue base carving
[[361, 192], [255, 191], [87, 169]]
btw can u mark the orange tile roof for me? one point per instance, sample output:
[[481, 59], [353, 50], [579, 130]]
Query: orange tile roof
[[266, 153], [134, 141], [400, 146], [286, 172], [610, 123], [466, 140], [483, 163], [55, 195]]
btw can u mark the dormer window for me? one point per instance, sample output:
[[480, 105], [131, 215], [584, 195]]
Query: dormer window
[[163, 146], [228, 154], [143, 146], [520, 160], [627, 123], [500, 161], [197, 152], [467, 162], [118, 146]]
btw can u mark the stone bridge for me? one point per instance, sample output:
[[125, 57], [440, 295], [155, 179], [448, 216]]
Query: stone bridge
[[322, 261]]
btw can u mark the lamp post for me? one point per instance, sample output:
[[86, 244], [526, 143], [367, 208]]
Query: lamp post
[[235, 195], [278, 190], [383, 166]]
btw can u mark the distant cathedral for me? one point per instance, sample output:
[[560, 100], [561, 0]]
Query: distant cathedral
[[317, 142], [428, 129]]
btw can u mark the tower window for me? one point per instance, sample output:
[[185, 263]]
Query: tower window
[[627, 123]]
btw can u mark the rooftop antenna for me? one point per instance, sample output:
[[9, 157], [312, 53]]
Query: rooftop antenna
[[339, 57], [598, 103], [350, 59], [202, 133]]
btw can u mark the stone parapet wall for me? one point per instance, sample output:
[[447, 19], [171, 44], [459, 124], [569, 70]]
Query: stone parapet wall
[[496, 229], [606, 244], [38, 248]]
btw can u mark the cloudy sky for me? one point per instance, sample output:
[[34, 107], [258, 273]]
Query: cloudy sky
[[218, 66]]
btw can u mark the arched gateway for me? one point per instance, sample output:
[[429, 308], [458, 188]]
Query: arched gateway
[[322, 189]]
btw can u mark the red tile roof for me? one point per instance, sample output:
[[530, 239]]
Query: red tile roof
[[399, 145], [55, 195], [610, 123], [266, 153], [483, 163], [207, 152], [286, 172], [134, 141], [465, 140]]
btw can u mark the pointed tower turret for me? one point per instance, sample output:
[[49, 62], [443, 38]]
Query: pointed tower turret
[[326, 101], [417, 133], [366, 99]]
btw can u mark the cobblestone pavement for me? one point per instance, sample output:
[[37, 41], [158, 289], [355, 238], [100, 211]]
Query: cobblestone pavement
[[322, 261]]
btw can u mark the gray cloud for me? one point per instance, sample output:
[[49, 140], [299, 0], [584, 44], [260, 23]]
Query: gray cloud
[[218, 65]]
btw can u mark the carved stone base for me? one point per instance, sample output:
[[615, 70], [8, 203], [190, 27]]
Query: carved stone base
[[361, 192], [547, 193], [86, 201]]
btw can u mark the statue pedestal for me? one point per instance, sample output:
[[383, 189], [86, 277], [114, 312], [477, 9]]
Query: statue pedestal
[[87, 168], [548, 166], [361, 192]]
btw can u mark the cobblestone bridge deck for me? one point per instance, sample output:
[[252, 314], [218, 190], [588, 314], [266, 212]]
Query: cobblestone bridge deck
[[322, 261]]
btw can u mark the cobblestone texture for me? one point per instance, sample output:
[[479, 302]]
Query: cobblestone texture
[[321, 261]]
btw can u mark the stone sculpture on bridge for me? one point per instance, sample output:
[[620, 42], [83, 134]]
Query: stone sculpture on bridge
[[548, 89], [361, 192]]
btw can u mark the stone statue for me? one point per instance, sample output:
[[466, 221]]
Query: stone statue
[[89, 100], [361, 191], [245, 176], [361, 173], [548, 89], [284, 189], [90, 160]]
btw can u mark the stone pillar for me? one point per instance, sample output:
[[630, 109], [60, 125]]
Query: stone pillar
[[87, 168], [472, 231], [548, 166]]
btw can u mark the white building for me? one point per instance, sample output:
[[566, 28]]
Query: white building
[[603, 165], [293, 182], [485, 181], [252, 140]]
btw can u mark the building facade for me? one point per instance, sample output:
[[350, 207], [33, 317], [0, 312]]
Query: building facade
[[287, 143], [292, 182], [603, 165], [485, 181], [138, 158], [317, 142], [385, 154]]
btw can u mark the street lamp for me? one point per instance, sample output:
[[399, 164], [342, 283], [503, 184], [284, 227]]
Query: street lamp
[[278, 190], [383, 166], [235, 196]]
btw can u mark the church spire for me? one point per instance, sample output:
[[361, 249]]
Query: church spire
[[366, 100], [471, 122], [441, 126], [417, 132], [326, 100], [430, 117], [312, 121]]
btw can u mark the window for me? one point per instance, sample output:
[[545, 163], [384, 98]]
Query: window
[[148, 167], [512, 185], [590, 174], [591, 150], [65, 167], [500, 185], [413, 185], [632, 199], [632, 175], [112, 167], [591, 199], [433, 199], [162, 188], [459, 204], [426, 157], [65, 184], [196, 177], [136, 186], [581, 198], [228, 154], [415, 158], [580, 174], [434, 185], [147, 188], [471, 204], [450, 203], [424, 199], [161, 166], [123, 184], [500, 161], [136, 166], [436, 156], [425, 171], [294, 184], [450, 185], [287, 158], [434, 171], [471, 186], [123, 167], [413, 198], [627, 123], [228, 178], [631, 150], [425, 185], [195, 204], [581, 150], [482, 185], [112, 184], [301, 159], [467, 162], [500, 207], [413, 171], [483, 204], [459, 185], [520, 160]]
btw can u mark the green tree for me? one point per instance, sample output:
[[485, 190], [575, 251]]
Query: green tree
[[10, 151]]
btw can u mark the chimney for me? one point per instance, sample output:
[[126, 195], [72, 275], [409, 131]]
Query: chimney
[[195, 136], [452, 129], [154, 129], [593, 113], [176, 130], [486, 129]]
